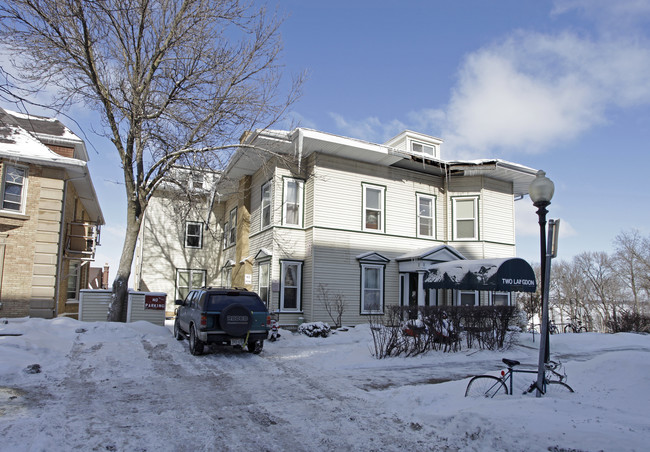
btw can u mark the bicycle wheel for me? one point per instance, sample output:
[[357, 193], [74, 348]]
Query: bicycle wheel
[[582, 329], [568, 329], [557, 387], [485, 386]]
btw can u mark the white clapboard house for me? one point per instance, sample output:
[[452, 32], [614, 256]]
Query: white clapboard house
[[306, 218]]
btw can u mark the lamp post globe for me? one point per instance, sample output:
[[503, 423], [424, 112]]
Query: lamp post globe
[[541, 189]]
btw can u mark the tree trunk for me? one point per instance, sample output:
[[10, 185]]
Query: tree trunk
[[118, 307]]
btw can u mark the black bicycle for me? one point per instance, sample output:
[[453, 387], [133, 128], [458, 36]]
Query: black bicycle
[[575, 327], [490, 386]]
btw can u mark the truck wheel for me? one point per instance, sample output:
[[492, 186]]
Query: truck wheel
[[236, 320], [196, 346], [177, 331], [256, 347]]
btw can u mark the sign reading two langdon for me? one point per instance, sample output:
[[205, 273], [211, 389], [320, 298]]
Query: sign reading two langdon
[[156, 302], [518, 282]]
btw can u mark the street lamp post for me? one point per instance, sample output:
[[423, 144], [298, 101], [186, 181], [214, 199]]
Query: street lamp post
[[541, 191]]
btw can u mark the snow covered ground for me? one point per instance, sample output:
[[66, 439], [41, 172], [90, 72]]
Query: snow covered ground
[[133, 387]]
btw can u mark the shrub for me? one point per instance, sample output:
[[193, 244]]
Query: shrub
[[314, 329], [410, 331]]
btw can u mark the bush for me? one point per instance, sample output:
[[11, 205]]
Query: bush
[[629, 322], [314, 329], [410, 331]]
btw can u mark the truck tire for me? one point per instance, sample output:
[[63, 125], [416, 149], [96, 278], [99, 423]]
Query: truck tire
[[196, 346], [256, 347], [177, 331], [236, 320]]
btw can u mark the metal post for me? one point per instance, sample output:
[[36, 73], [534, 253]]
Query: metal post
[[544, 336]]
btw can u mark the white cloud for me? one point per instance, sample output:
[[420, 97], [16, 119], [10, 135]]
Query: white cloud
[[526, 220], [373, 129], [530, 90]]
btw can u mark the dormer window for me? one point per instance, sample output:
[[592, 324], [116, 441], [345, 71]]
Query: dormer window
[[422, 148]]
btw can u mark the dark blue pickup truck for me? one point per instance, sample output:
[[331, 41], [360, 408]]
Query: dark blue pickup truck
[[234, 317]]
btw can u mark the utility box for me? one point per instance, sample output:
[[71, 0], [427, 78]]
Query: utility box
[[149, 306]]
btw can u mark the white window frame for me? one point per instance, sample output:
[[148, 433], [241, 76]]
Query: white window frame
[[285, 204], [23, 191], [265, 206], [507, 294], [382, 207], [262, 284], [74, 277], [459, 294], [456, 218], [188, 235], [364, 268], [232, 229], [431, 198], [190, 272], [422, 147], [284, 265]]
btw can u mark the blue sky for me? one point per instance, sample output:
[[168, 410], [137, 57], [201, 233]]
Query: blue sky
[[562, 86]]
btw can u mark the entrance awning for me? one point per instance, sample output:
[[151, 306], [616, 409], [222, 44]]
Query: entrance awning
[[500, 275]]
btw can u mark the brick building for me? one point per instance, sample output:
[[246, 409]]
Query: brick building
[[49, 217]]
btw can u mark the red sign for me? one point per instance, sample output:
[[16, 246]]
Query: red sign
[[154, 302]]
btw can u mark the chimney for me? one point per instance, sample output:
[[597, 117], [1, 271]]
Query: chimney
[[105, 277]]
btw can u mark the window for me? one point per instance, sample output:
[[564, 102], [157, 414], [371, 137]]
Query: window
[[74, 276], [266, 206], [467, 298], [423, 148], [197, 180], [13, 188], [290, 285], [226, 276], [466, 218], [193, 234], [232, 233], [373, 208], [188, 279], [500, 298], [292, 205], [263, 282], [426, 215], [372, 289]]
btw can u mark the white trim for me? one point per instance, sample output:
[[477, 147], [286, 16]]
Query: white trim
[[23, 192], [382, 207], [460, 292], [507, 294], [432, 216], [455, 217], [76, 274], [200, 235], [268, 186], [300, 191], [232, 227], [190, 273], [284, 264], [380, 289], [266, 264]]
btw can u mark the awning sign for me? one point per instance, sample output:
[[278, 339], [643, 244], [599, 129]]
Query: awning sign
[[500, 275], [154, 302]]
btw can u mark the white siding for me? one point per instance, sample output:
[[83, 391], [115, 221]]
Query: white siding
[[93, 305]]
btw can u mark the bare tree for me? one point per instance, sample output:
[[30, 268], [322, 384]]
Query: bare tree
[[175, 82], [603, 282], [333, 302], [629, 263]]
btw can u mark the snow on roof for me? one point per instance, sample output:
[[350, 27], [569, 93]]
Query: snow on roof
[[43, 125], [18, 142]]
